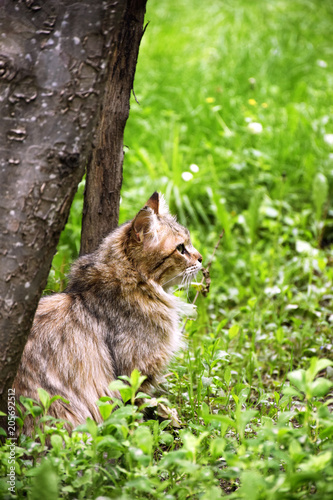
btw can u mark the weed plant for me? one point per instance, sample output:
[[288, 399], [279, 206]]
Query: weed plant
[[235, 126]]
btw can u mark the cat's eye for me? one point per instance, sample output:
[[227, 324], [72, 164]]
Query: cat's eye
[[181, 248]]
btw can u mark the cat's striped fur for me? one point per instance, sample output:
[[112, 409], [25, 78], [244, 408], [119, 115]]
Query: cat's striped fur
[[115, 315]]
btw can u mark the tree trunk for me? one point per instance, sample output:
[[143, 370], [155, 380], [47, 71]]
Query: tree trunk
[[54, 60], [104, 173]]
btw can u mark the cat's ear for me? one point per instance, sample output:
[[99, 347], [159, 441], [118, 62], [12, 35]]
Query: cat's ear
[[158, 204], [154, 202], [141, 224]]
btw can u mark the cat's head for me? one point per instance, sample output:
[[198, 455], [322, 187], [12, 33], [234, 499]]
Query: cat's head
[[160, 247]]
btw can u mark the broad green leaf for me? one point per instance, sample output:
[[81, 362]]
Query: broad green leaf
[[327, 432], [243, 395], [164, 424], [291, 391], [217, 447], [124, 412], [227, 375], [221, 325], [56, 398], [113, 447], [212, 492], [105, 410], [192, 442], [139, 484], [143, 439], [324, 412], [108, 441], [318, 462], [204, 409], [233, 331], [136, 379], [45, 483], [296, 451], [91, 427], [27, 402], [68, 489], [172, 459], [105, 399], [243, 418], [235, 398], [317, 365], [44, 398], [267, 422], [320, 387], [142, 395], [56, 442], [298, 378], [252, 302], [166, 437], [36, 411], [126, 393], [280, 335], [251, 485], [32, 472], [116, 385]]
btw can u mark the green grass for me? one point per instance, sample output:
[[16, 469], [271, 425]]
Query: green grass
[[252, 389]]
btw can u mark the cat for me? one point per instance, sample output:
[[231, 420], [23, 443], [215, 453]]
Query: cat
[[116, 314]]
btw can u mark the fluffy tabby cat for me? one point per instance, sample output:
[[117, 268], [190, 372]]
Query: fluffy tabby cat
[[115, 315]]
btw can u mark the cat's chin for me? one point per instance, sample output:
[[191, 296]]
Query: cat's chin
[[184, 279], [171, 283]]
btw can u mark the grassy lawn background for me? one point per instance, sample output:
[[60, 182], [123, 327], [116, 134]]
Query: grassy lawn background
[[235, 127]]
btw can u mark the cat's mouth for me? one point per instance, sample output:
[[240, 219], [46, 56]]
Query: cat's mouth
[[192, 270]]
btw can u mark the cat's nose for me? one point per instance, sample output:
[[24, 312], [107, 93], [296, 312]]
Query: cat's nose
[[200, 258]]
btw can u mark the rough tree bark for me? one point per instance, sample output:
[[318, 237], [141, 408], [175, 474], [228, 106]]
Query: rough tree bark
[[55, 58], [104, 177]]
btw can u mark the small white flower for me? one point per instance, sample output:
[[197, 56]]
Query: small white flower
[[272, 290], [328, 138], [321, 63], [194, 168], [187, 176], [255, 127], [290, 307], [306, 248], [270, 212]]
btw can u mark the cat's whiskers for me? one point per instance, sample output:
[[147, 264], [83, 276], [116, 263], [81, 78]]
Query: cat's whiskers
[[186, 283], [187, 275], [173, 278], [191, 274]]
